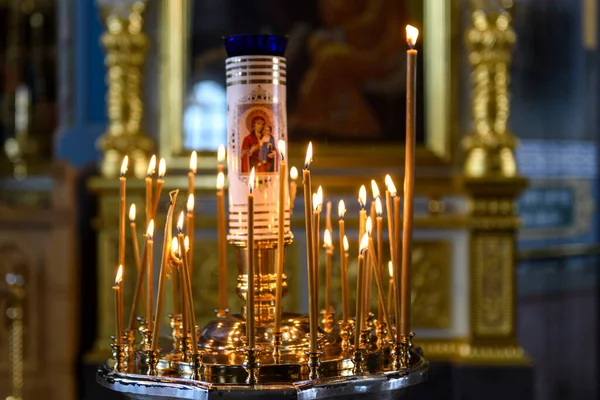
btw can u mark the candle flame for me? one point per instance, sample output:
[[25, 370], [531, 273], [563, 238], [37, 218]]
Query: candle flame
[[281, 148], [412, 34], [391, 269], [369, 226], [362, 196], [308, 158], [341, 209], [251, 180], [175, 246], [190, 204], [162, 168], [220, 153], [124, 165], [327, 239], [220, 181], [318, 200], [364, 243], [132, 212], [150, 230], [186, 243], [320, 193], [151, 166], [390, 185], [193, 162], [119, 276], [378, 207], [180, 223], [375, 189], [293, 173], [346, 246]]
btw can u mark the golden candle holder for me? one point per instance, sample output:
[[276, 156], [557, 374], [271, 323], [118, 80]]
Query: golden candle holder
[[129, 344], [262, 348], [118, 355]]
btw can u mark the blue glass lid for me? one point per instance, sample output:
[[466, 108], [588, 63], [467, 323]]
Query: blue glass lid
[[255, 45]]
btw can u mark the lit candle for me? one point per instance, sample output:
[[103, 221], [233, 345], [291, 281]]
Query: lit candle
[[379, 230], [341, 213], [293, 187], [250, 268], [360, 276], [280, 235], [181, 288], [190, 312], [328, 254], [345, 283], [162, 169], [223, 306], [368, 272], [362, 218], [312, 290], [397, 273], [192, 172], [175, 257], [149, 273], [220, 159], [164, 265], [149, 173], [317, 207], [122, 198], [138, 264], [409, 179], [118, 289], [328, 218], [389, 192], [190, 231]]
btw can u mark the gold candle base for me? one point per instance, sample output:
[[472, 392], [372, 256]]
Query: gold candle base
[[327, 320], [118, 355], [359, 361], [251, 364], [175, 323], [382, 334], [129, 339], [150, 359], [277, 336], [197, 365], [346, 329], [146, 334], [314, 364]]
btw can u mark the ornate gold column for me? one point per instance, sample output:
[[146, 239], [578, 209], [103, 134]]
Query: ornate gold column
[[493, 184], [126, 46]]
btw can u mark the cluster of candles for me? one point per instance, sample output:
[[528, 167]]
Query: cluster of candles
[[177, 252]]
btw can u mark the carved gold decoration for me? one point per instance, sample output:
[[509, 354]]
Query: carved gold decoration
[[431, 292], [126, 46], [490, 40], [460, 351]]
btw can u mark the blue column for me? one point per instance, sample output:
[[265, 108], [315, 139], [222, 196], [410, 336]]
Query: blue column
[[82, 81]]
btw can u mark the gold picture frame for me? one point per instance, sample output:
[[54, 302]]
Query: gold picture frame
[[438, 154]]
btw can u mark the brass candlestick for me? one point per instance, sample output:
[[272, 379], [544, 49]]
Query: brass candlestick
[[252, 365], [118, 355]]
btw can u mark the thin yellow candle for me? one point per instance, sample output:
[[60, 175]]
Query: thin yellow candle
[[192, 172], [389, 192], [360, 278], [118, 289], [317, 207], [149, 173], [368, 272], [409, 179], [149, 273], [391, 305], [191, 313], [162, 169], [293, 187], [397, 273], [122, 199], [181, 288], [136, 250], [164, 264], [379, 230], [345, 283], [328, 254], [174, 274], [312, 290], [190, 230], [362, 217], [250, 334], [280, 235], [221, 159], [223, 303], [341, 214], [328, 218]]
